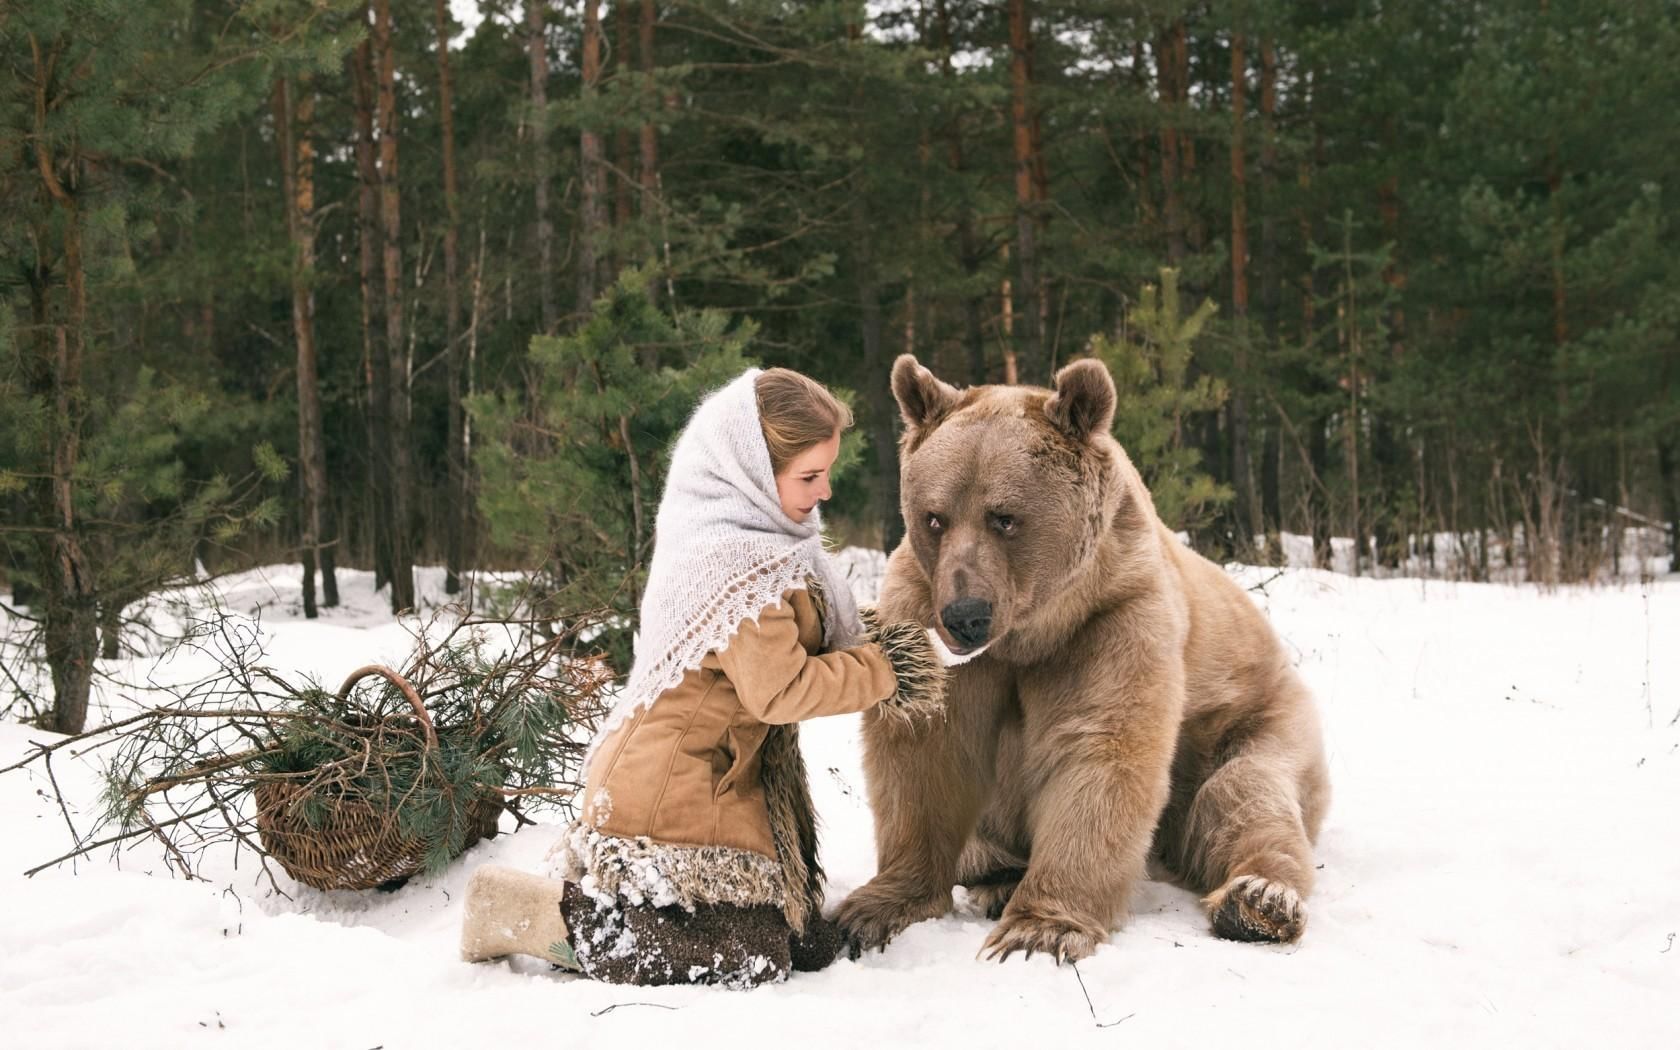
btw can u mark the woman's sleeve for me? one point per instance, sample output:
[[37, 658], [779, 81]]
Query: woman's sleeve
[[779, 682]]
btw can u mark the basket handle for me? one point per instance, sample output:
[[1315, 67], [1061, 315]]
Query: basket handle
[[407, 690]]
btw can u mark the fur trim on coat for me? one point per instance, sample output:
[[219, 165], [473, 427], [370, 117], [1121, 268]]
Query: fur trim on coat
[[639, 871], [922, 676]]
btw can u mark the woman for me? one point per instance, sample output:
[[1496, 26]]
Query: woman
[[694, 859]]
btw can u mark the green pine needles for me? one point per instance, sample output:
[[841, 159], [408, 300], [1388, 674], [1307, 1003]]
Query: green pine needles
[[1161, 397], [353, 788]]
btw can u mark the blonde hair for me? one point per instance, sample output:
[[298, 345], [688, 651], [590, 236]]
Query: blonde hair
[[796, 412]]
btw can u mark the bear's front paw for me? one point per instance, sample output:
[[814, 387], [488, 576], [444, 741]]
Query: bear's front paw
[[876, 914], [1057, 934], [1251, 908]]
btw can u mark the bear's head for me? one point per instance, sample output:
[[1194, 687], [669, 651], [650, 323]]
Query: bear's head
[[1006, 492]]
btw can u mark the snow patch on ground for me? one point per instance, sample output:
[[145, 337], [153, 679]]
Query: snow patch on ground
[[1499, 867]]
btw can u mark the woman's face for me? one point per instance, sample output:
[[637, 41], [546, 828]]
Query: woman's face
[[803, 483]]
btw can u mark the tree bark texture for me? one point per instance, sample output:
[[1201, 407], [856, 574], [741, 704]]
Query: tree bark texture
[[459, 508], [374, 362], [1168, 90], [294, 109], [1271, 496], [624, 145], [1246, 516], [1032, 363], [70, 626], [396, 374], [592, 214], [537, 45]]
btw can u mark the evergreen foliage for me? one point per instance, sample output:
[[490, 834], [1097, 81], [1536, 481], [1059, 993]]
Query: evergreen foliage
[[509, 712], [1488, 189], [1158, 398], [573, 469]]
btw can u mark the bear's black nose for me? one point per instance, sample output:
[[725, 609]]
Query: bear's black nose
[[969, 620]]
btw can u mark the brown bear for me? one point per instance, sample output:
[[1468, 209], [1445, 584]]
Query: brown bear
[[1122, 698]]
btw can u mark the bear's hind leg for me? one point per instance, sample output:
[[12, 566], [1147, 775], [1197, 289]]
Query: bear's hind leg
[[995, 859], [992, 891], [1246, 843], [990, 871]]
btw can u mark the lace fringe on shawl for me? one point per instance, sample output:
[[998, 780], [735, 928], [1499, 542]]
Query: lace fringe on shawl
[[744, 598]]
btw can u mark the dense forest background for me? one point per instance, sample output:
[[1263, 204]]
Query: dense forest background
[[353, 283]]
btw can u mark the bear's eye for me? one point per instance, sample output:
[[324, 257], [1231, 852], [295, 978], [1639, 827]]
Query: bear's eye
[[935, 524], [1005, 524]]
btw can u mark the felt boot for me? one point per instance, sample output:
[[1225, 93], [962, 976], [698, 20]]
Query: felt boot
[[511, 912]]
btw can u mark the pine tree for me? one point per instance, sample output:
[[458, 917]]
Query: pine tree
[[1159, 403], [572, 477], [101, 92]]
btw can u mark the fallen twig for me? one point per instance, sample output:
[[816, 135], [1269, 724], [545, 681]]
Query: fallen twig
[[58, 794], [614, 1006], [132, 833], [1267, 582], [1092, 1008]]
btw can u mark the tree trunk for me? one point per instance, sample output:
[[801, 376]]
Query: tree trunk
[[638, 524], [1166, 77], [469, 519], [70, 624], [1271, 480], [378, 494], [1271, 498], [1560, 287], [1031, 362], [968, 241], [292, 119], [648, 174], [1006, 320], [1269, 274], [882, 409], [592, 219], [1320, 455], [1319, 501], [1140, 138], [395, 374], [1348, 320], [281, 102], [1242, 474], [624, 148], [1668, 475], [456, 513], [650, 131], [974, 334], [70, 617], [537, 45], [1387, 456], [1194, 230], [326, 524]]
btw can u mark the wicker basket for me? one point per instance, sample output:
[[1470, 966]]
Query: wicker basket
[[359, 846]]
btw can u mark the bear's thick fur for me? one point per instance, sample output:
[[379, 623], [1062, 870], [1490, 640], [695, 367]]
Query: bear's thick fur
[[1128, 699]]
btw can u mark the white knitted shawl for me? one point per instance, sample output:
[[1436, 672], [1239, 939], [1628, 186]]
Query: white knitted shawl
[[723, 551]]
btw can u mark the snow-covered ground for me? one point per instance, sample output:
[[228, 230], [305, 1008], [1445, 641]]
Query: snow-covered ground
[[1501, 866]]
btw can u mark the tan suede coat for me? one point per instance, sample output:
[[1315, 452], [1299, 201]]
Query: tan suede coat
[[686, 770]]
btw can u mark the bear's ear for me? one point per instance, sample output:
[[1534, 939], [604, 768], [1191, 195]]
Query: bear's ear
[[922, 397], [1083, 405]]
